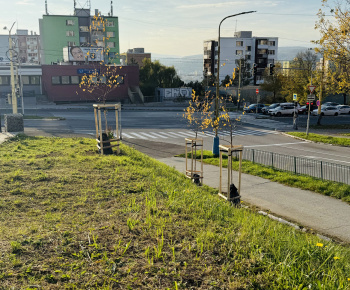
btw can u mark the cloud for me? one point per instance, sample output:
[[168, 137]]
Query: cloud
[[234, 3], [25, 2]]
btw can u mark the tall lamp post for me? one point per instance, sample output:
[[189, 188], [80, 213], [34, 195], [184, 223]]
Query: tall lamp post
[[14, 97], [216, 138]]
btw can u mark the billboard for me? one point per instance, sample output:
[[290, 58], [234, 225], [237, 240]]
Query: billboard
[[79, 53]]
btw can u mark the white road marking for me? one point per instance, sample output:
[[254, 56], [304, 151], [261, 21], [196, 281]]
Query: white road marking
[[148, 135], [127, 135], [138, 136]]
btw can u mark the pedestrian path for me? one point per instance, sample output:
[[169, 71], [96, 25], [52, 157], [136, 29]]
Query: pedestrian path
[[150, 135], [325, 215]]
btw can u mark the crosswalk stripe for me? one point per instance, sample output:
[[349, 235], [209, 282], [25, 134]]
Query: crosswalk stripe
[[156, 134], [127, 135], [189, 134], [149, 135], [138, 136]]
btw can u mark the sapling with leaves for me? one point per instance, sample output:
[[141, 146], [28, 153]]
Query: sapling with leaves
[[198, 114]]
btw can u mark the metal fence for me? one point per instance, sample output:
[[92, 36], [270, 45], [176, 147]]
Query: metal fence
[[297, 165]]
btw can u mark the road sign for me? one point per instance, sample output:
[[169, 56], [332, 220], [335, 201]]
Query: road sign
[[312, 89], [295, 97], [257, 91], [318, 102], [310, 97]]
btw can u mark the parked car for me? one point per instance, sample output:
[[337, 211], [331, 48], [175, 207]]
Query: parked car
[[304, 109], [252, 108], [265, 110], [330, 104], [327, 111], [284, 109], [344, 109]]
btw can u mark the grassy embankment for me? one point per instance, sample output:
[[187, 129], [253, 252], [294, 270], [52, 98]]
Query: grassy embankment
[[339, 141], [70, 218]]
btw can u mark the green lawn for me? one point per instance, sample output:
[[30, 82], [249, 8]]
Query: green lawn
[[72, 219], [340, 141]]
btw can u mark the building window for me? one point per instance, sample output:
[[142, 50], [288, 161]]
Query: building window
[[110, 44], [71, 43], [248, 57], [69, 22], [110, 33], [109, 23], [272, 43], [248, 48], [25, 80], [55, 80], [239, 52], [70, 33], [34, 80], [65, 80], [84, 28], [239, 43], [74, 80], [263, 42], [4, 80], [272, 52]]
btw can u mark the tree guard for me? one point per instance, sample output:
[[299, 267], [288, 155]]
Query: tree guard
[[106, 136], [231, 193], [193, 169]]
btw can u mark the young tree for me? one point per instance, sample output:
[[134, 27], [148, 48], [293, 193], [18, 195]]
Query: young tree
[[334, 44]]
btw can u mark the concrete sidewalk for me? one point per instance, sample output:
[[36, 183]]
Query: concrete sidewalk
[[325, 215]]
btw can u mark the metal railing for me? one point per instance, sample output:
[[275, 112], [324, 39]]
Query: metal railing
[[297, 165]]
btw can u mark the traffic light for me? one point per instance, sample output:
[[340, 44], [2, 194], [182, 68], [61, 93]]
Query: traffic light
[[255, 68], [271, 68]]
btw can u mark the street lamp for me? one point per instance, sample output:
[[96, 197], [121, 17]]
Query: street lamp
[[216, 138], [14, 97]]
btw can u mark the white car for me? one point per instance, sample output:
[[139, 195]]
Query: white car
[[284, 109], [327, 111], [344, 109]]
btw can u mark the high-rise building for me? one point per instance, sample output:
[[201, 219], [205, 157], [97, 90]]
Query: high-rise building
[[258, 51], [79, 38]]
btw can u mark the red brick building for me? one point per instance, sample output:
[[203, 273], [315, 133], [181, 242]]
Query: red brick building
[[61, 83]]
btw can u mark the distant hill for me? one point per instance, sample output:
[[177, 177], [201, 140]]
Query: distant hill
[[190, 68], [289, 52]]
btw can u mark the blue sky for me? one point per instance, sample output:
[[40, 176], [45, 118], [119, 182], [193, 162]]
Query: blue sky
[[180, 27]]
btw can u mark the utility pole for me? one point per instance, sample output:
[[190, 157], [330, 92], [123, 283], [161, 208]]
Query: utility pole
[[14, 97], [239, 83]]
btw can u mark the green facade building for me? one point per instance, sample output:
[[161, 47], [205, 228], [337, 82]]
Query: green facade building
[[79, 38]]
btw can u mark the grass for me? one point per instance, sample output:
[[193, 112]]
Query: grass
[[72, 219], [334, 126], [329, 188], [339, 141]]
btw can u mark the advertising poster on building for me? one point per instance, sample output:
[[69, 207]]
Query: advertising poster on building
[[78, 53]]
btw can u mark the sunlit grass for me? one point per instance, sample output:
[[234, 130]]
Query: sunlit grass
[[70, 218], [322, 138]]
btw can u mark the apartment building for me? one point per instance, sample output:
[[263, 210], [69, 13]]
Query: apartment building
[[258, 51], [134, 56], [82, 37]]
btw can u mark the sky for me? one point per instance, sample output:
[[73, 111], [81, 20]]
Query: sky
[[179, 27]]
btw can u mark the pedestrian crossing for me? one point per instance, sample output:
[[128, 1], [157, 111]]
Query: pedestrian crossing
[[149, 135]]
